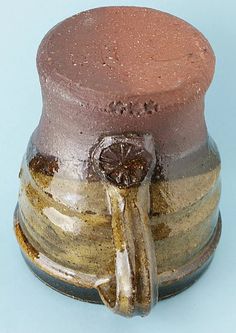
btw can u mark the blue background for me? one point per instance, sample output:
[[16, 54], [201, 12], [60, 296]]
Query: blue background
[[27, 305]]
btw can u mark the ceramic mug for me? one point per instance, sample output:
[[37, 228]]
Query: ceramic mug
[[120, 182]]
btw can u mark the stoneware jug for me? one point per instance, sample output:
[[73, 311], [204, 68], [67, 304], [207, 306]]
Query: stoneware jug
[[120, 185]]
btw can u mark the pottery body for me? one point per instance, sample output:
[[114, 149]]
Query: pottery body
[[120, 182]]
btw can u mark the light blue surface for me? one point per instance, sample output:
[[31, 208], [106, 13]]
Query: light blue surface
[[27, 305]]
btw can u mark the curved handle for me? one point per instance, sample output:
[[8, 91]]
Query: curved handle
[[126, 164]]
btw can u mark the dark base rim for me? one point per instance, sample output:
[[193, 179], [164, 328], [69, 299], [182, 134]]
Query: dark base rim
[[170, 286], [91, 295]]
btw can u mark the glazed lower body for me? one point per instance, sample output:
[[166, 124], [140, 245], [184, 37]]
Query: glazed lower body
[[100, 243], [170, 282]]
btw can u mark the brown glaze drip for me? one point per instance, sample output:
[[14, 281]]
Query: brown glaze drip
[[46, 165], [25, 245], [162, 231]]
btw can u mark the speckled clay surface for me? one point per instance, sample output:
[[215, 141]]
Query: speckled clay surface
[[120, 183]]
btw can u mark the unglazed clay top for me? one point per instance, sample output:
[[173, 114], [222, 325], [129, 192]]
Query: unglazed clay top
[[119, 53], [117, 70]]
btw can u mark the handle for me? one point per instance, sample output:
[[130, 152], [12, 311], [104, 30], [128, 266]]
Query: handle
[[125, 164]]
